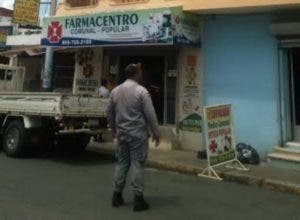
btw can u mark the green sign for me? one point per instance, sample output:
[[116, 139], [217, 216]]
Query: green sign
[[191, 123]]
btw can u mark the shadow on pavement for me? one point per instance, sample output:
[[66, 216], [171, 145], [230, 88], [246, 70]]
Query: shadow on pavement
[[164, 201], [66, 155], [80, 158]]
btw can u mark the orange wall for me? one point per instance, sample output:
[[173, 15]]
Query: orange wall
[[200, 6], [205, 6], [106, 5]]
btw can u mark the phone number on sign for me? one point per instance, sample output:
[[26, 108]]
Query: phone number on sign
[[76, 42]]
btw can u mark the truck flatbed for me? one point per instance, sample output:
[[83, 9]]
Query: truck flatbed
[[57, 105]]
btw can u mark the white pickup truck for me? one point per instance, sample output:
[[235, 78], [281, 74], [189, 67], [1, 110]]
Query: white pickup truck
[[44, 119]]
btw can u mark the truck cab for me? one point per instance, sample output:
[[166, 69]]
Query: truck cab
[[11, 78]]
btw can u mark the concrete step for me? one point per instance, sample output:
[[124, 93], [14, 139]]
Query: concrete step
[[287, 151], [293, 145], [285, 157]]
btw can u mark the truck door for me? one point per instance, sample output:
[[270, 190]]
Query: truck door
[[15, 79], [2, 79], [9, 80]]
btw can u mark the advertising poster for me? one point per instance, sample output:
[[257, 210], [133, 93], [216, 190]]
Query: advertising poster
[[187, 29], [190, 104], [26, 12], [150, 26], [219, 134], [87, 71]]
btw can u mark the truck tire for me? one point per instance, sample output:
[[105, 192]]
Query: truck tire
[[14, 139], [84, 140]]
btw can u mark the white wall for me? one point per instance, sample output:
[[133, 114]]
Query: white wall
[[190, 99], [23, 40]]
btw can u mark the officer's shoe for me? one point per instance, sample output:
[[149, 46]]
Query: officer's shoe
[[140, 204], [117, 199]]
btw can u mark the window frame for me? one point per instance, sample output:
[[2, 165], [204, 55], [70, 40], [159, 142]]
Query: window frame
[[2, 75], [68, 5], [9, 75]]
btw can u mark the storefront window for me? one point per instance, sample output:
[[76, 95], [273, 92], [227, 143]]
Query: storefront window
[[9, 75], [63, 71], [2, 74], [81, 3], [111, 72], [171, 89]]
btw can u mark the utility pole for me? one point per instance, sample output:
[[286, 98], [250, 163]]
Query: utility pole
[[48, 67]]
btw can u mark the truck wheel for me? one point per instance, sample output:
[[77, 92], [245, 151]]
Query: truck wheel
[[83, 140], [14, 138]]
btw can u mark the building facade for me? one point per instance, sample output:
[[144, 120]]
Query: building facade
[[248, 57], [106, 36]]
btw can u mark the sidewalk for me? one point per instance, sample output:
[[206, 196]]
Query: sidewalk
[[265, 176]]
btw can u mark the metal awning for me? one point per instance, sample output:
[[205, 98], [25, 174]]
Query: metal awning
[[32, 51], [288, 33], [285, 29]]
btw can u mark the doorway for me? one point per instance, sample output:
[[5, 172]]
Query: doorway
[[154, 79], [295, 87]]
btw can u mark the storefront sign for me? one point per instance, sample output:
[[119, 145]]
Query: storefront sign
[[219, 134], [152, 26], [26, 12], [4, 32], [191, 106]]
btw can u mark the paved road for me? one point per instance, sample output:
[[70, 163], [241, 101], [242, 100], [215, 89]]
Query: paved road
[[79, 187]]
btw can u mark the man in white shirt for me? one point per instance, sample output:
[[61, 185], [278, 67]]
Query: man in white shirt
[[103, 92]]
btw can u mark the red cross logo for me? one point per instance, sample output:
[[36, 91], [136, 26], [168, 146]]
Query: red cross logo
[[54, 32], [213, 146]]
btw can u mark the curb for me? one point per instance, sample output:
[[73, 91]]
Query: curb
[[282, 186], [232, 176]]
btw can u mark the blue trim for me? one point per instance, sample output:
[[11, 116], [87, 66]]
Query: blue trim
[[79, 42]]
